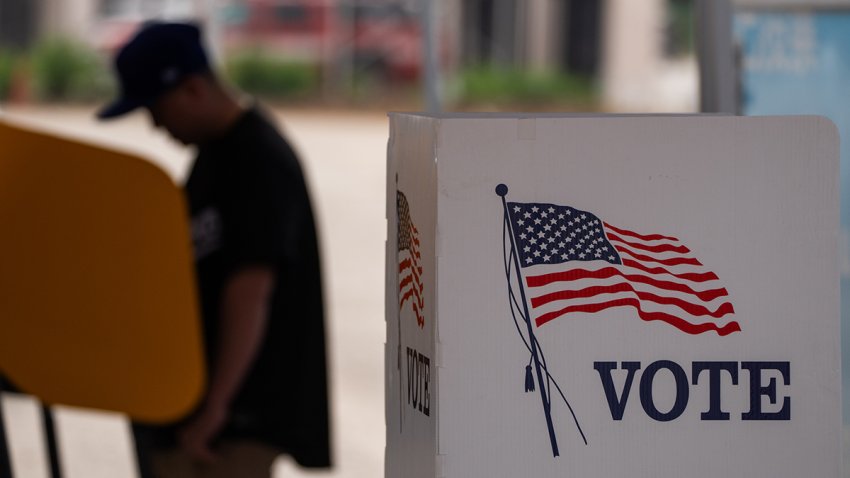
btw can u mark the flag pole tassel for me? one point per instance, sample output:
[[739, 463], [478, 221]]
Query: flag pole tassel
[[529, 379]]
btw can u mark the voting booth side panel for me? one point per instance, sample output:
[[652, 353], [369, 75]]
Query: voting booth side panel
[[720, 242], [410, 358], [97, 290]]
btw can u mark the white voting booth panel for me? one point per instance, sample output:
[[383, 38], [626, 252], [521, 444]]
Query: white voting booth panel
[[646, 296]]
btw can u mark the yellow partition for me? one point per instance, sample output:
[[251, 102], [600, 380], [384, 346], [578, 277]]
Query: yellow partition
[[97, 296]]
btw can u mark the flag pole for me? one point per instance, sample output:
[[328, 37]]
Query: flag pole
[[502, 190]]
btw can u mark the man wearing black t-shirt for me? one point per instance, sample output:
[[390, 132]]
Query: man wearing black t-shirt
[[257, 265]]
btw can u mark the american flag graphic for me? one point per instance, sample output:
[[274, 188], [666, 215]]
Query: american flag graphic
[[572, 261], [410, 287]]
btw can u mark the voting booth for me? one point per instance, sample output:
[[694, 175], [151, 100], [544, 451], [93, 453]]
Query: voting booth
[[98, 307], [605, 296]]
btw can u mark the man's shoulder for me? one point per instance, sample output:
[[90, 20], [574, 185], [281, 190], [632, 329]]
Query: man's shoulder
[[260, 143], [260, 121], [259, 129]]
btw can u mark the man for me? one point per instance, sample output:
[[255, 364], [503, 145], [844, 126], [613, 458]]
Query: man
[[257, 268]]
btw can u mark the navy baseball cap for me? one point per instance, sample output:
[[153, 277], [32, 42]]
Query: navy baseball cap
[[158, 57]]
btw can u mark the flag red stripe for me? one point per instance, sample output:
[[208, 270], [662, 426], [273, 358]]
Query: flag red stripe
[[407, 295], [677, 322], [675, 261], [412, 292], [656, 249], [413, 266], [410, 284], [578, 274], [417, 287], [689, 276], [414, 242], [650, 237], [408, 279], [415, 276], [693, 309]]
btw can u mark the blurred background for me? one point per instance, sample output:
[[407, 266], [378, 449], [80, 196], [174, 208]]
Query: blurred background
[[329, 70], [489, 54]]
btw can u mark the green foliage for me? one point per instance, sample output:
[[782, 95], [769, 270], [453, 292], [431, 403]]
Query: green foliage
[[516, 86], [261, 74], [7, 67], [679, 34], [64, 70]]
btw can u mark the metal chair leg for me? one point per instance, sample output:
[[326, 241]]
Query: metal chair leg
[[50, 436], [49, 433], [5, 459]]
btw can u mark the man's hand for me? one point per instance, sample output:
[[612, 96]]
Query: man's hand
[[244, 308], [202, 429]]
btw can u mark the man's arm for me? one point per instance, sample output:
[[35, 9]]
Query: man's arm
[[243, 319]]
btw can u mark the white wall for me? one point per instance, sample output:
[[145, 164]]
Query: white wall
[[636, 76], [543, 28], [68, 18]]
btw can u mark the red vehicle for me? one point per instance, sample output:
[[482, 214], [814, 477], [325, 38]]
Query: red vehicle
[[374, 36], [380, 37], [295, 29], [387, 39]]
